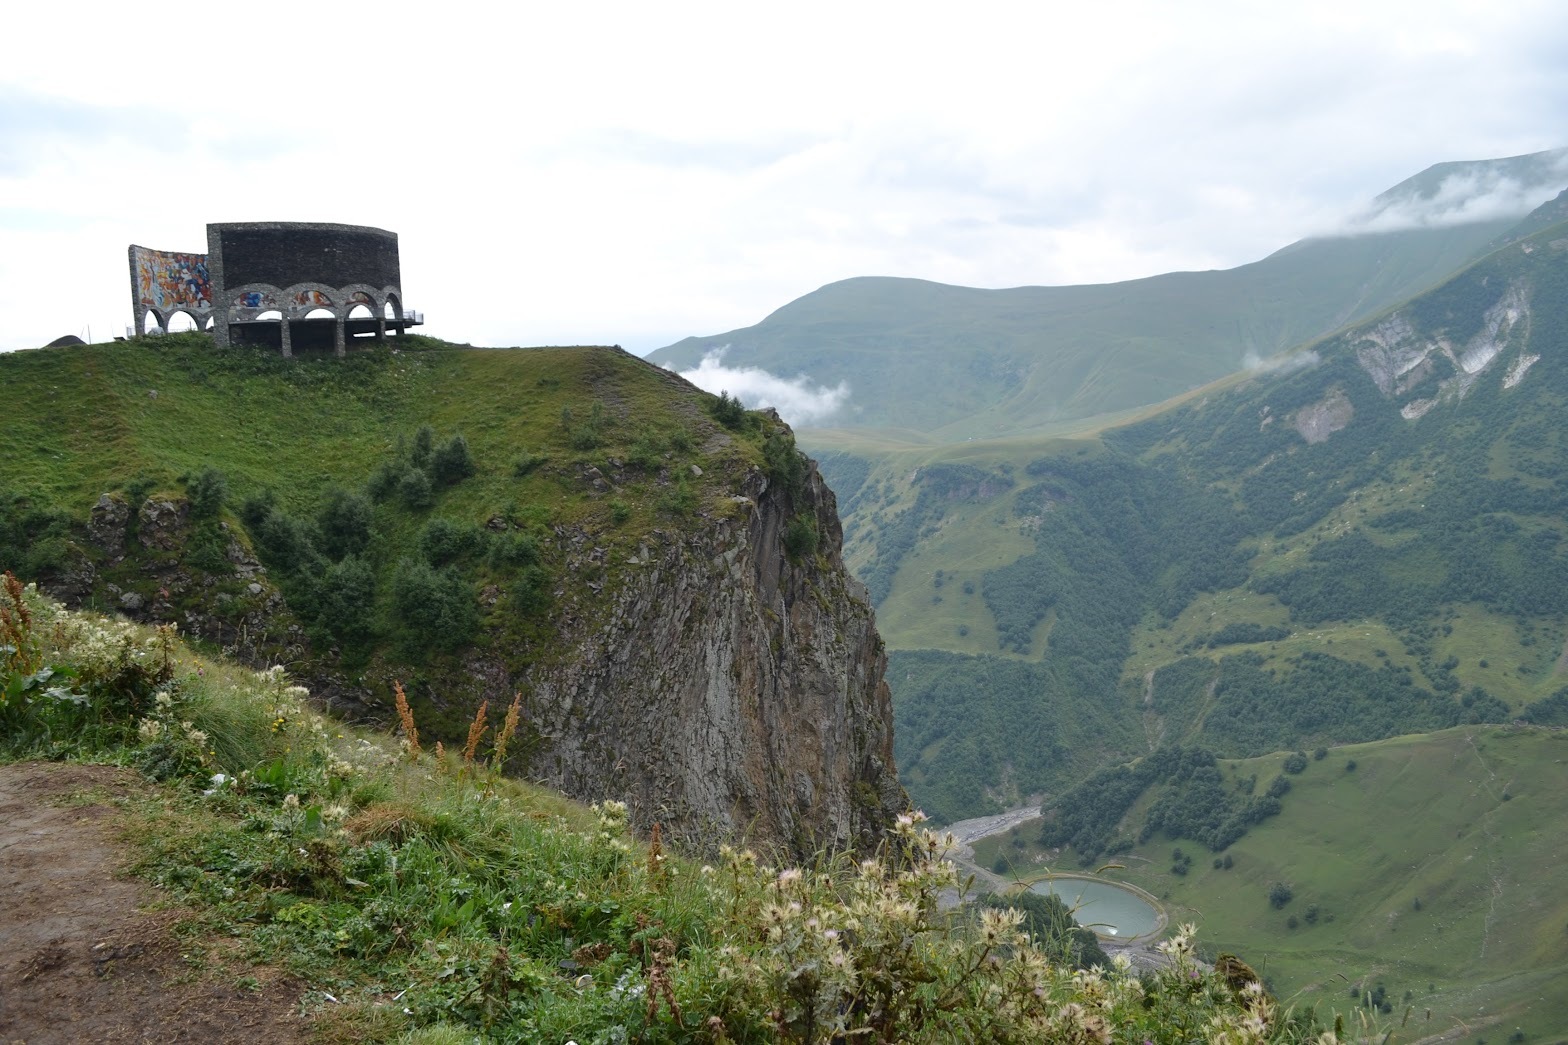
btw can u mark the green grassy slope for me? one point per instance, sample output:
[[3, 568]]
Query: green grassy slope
[[423, 898], [1437, 866]]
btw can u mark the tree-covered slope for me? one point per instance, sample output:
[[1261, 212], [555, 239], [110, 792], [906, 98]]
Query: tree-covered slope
[[954, 363], [1365, 543]]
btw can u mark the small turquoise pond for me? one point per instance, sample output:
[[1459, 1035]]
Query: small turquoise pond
[[1105, 907]]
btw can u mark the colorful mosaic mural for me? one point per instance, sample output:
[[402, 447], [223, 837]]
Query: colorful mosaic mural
[[305, 298], [166, 281], [255, 299]]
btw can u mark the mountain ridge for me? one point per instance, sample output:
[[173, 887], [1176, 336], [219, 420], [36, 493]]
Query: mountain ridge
[[956, 363]]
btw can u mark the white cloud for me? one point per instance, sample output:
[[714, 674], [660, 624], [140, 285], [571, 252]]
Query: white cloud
[[799, 400], [1283, 364], [1478, 195]]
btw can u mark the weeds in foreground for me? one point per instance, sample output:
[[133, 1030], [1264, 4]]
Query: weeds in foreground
[[448, 905]]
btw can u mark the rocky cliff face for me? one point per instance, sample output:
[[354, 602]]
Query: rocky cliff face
[[730, 690], [718, 685]]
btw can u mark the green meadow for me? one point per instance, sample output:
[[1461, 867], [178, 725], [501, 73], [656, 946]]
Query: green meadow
[[1435, 867]]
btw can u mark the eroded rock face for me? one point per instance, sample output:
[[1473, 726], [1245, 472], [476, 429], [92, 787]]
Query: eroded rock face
[[1322, 419], [731, 691], [1400, 360]]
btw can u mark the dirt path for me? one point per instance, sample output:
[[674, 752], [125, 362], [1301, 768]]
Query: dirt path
[[81, 960]]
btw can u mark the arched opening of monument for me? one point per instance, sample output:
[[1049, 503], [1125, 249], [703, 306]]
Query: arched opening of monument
[[151, 324], [181, 323], [270, 316], [360, 323]]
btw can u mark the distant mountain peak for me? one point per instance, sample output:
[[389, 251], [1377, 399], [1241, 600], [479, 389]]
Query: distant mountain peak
[[1462, 192]]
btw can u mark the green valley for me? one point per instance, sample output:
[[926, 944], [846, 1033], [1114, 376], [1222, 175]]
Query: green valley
[[1423, 873], [1363, 543]]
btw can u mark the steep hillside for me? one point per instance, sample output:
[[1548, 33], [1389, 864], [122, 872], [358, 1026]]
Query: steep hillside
[[1364, 543], [303, 867], [954, 363], [659, 579]]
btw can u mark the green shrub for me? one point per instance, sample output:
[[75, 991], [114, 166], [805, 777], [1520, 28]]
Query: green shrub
[[434, 609], [256, 507], [344, 521], [33, 540], [345, 601], [423, 446], [786, 466], [516, 549], [1280, 894], [443, 541], [206, 493], [452, 463], [287, 543], [729, 411], [530, 589], [415, 490], [801, 537], [384, 480]]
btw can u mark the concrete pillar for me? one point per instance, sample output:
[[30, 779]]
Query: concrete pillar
[[339, 344], [381, 328], [288, 346]]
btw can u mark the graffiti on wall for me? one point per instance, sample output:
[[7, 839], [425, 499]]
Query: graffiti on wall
[[166, 280]]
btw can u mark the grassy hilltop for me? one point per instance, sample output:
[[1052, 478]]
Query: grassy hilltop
[[314, 459]]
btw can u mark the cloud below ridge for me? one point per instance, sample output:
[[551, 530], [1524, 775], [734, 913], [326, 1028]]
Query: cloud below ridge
[[799, 400], [1460, 199]]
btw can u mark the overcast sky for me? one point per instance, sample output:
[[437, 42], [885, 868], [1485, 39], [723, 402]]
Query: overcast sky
[[572, 173]]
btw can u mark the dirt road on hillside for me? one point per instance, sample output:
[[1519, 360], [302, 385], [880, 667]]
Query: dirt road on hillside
[[81, 958]]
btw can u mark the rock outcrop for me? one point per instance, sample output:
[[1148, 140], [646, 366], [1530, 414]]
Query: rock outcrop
[[731, 690]]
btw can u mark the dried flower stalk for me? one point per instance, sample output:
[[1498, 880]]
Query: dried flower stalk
[[476, 730], [405, 715]]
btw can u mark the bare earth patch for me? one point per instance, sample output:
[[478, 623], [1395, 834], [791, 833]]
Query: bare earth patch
[[81, 959]]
